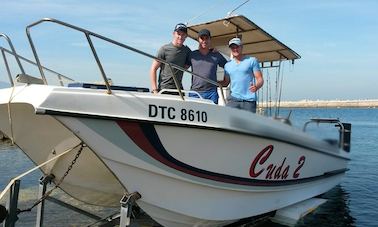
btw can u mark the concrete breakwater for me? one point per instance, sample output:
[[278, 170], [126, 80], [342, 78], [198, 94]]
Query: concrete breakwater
[[370, 103]]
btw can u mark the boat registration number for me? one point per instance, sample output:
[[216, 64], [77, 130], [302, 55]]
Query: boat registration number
[[171, 113]]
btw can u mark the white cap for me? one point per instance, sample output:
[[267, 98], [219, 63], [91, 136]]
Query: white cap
[[235, 41]]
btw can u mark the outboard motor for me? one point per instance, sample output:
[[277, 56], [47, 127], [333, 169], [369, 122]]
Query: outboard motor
[[345, 136]]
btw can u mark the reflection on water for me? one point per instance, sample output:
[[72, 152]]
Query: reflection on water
[[335, 212]]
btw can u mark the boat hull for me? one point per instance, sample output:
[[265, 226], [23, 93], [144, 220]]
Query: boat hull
[[193, 162], [186, 173]]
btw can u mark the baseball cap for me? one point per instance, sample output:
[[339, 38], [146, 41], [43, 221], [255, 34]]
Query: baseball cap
[[235, 41], [181, 27], [204, 32]]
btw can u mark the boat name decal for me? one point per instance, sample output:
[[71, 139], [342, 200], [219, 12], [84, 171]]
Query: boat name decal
[[271, 170], [169, 112]]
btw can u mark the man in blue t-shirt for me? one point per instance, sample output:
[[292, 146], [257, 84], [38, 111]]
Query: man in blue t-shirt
[[245, 76], [204, 62]]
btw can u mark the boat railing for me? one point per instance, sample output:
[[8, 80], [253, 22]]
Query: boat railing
[[187, 92], [88, 34], [4, 51], [344, 130], [14, 54]]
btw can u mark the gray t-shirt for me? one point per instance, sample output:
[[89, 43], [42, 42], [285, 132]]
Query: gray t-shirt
[[176, 55], [205, 66]]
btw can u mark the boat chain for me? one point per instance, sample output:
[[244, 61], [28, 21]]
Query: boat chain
[[57, 184]]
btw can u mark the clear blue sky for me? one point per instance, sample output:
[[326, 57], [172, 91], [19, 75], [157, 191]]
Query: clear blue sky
[[337, 39]]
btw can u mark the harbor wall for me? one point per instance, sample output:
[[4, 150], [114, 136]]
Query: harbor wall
[[371, 103]]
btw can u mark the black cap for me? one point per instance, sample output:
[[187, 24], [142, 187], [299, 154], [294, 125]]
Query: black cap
[[181, 27], [204, 32]]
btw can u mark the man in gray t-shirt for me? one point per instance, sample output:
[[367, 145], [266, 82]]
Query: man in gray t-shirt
[[204, 62], [175, 52]]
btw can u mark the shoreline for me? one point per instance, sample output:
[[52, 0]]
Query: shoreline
[[371, 103]]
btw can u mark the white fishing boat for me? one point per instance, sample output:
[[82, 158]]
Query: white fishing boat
[[192, 162]]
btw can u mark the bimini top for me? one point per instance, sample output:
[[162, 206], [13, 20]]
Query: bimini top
[[256, 42]]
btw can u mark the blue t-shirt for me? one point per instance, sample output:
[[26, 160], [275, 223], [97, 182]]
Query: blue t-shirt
[[241, 76]]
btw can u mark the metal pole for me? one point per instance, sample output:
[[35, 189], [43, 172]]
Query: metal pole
[[178, 86], [7, 67], [60, 80], [36, 55], [41, 205], [33, 63], [13, 202], [14, 52], [98, 63], [127, 203]]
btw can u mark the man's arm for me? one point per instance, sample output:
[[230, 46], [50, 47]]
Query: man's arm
[[226, 81], [154, 67], [222, 62], [259, 81]]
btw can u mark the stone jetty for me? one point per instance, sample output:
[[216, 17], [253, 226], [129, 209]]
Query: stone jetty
[[369, 103]]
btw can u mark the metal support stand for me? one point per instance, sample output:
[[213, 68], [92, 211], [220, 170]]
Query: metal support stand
[[127, 203], [73, 208], [11, 219], [3, 213], [43, 181]]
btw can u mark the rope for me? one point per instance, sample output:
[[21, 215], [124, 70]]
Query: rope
[[204, 12], [213, 7], [10, 114], [230, 13]]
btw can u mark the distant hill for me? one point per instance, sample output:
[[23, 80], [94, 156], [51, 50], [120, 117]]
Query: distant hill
[[3, 84]]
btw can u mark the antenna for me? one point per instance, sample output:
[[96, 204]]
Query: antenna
[[229, 14], [203, 13]]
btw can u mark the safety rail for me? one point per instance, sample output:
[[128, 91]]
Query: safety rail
[[170, 91], [14, 54], [344, 130], [88, 35], [323, 120], [3, 50]]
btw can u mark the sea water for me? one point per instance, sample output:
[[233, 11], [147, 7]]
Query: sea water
[[352, 203]]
